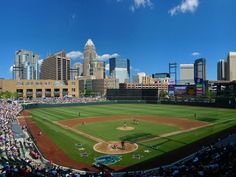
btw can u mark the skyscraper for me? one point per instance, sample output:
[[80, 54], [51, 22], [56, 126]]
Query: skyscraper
[[200, 69], [89, 58], [26, 65], [56, 67], [200, 75], [186, 74], [221, 70], [91, 66], [120, 69], [231, 65]]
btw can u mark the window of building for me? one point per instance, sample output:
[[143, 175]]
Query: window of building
[[19, 83]]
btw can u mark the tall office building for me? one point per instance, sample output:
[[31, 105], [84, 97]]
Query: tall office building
[[120, 69], [26, 65], [200, 75], [200, 69], [56, 67], [221, 70], [76, 71], [231, 65], [186, 74], [91, 66]]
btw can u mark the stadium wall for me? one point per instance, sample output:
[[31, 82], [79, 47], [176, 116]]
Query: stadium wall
[[219, 102], [32, 106], [148, 95]]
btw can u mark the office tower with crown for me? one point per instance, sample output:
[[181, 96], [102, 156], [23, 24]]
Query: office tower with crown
[[91, 66]]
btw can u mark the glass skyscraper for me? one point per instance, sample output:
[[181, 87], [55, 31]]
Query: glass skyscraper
[[221, 70], [26, 65], [120, 69], [200, 69]]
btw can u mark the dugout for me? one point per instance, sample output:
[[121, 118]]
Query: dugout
[[150, 95]]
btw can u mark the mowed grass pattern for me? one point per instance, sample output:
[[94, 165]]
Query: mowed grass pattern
[[108, 130], [66, 139]]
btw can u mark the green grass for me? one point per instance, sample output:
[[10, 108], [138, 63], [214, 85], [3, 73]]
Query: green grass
[[108, 131], [66, 139]]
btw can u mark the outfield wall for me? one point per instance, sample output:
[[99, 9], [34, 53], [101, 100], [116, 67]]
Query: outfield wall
[[32, 106], [150, 95], [219, 103]]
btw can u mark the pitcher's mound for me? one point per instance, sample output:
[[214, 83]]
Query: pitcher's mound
[[125, 128], [115, 147]]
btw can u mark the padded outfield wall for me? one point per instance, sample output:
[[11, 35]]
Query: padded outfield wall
[[149, 95], [31, 106]]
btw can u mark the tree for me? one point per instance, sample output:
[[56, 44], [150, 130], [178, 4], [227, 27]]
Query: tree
[[88, 92], [7, 95], [210, 94], [163, 94], [14, 95]]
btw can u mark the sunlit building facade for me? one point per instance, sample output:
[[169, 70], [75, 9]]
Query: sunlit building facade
[[120, 69], [26, 65]]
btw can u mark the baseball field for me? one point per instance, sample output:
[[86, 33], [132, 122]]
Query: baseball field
[[132, 133]]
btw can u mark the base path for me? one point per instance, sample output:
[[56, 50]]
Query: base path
[[81, 133]]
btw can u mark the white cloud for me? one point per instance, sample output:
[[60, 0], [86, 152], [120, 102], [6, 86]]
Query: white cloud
[[78, 54], [77, 63], [106, 56], [136, 4], [40, 62], [195, 54], [75, 54], [185, 6], [142, 3], [107, 67], [11, 68]]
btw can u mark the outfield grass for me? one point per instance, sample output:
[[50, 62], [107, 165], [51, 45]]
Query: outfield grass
[[66, 139], [108, 130]]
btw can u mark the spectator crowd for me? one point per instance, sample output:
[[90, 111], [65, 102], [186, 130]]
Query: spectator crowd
[[211, 161]]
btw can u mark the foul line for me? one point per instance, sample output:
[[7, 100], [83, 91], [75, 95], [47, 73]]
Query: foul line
[[173, 133], [98, 140]]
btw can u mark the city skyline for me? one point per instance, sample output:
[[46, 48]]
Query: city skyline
[[149, 33]]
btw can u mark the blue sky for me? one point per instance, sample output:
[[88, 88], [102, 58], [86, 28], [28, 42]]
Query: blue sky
[[151, 33]]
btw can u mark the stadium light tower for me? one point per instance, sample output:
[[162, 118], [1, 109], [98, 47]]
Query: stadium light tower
[[173, 71]]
